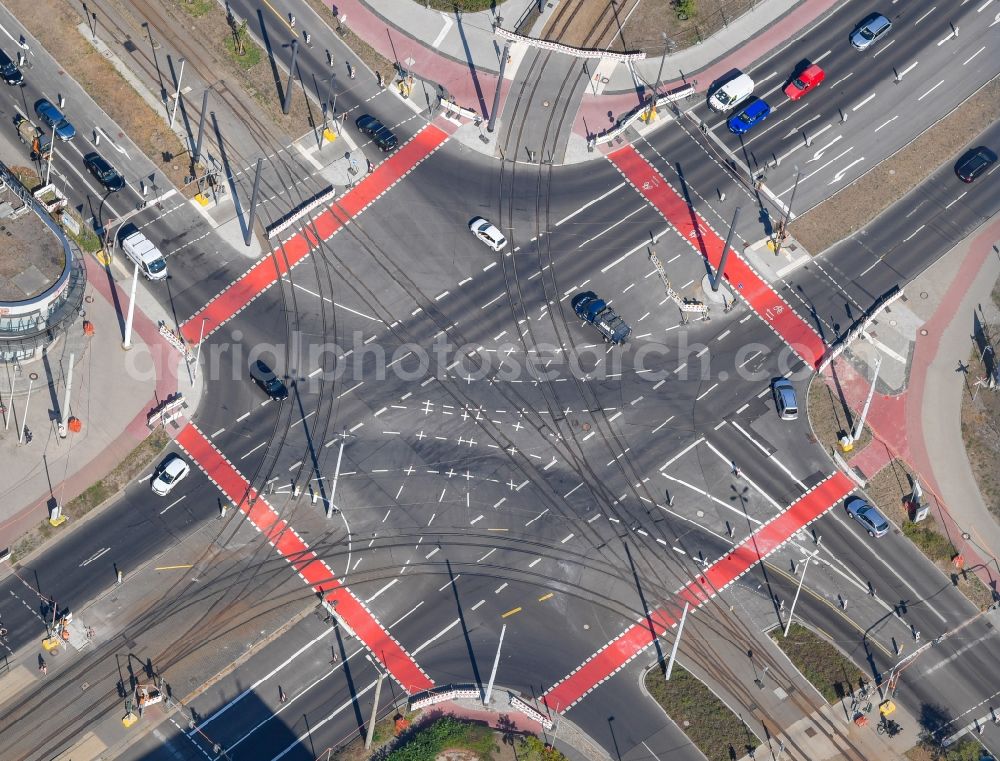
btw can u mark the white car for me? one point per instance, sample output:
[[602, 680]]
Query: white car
[[488, 233], [171, 471]]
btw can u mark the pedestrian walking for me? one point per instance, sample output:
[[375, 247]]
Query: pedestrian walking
[[42, 666], [282, 697]]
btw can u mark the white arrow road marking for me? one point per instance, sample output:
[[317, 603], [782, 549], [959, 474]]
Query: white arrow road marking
[[819, 154], [840, 175], [114, 144]]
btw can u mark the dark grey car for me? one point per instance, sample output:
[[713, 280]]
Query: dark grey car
[[266, 378], [381, 135]]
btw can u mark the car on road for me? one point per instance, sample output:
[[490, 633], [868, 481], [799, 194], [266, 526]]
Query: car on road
[[806, 80], [870, 31], [53, 117], [9, 71], [488, 233], [266, 378], [748, 117], [381, 135], [170, 472], [595, 310], [785, 400], [974, 163], [731, 93], [103, 172], [869, 517]]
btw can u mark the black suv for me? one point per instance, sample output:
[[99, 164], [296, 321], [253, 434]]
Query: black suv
[[105, 174], [380, 134], [974, 163], [9, 71], [265, 378]]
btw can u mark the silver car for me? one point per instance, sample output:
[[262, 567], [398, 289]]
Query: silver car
[[870, 518], [785, 400], [870, 31]]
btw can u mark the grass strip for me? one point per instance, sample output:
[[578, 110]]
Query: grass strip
[[702, 716], [830, 671]]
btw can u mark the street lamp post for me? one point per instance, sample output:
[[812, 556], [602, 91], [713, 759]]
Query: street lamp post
[[24, 420], [370, 734], [677, 642], [330, 507], [177, 95], [802, 578], [493, 673], [127, 343]]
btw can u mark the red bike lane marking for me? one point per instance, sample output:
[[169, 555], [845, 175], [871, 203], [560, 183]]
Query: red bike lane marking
[[799, 335], [310, 567], [622, 649], [266, 272]]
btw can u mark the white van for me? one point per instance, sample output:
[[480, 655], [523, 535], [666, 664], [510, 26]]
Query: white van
[[141, 250], [732, 93]]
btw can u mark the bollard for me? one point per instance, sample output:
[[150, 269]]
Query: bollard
[[291, 20], [223, 509], [916, 634], [722, 196], [121, 577], [307, 38], [62, 100]]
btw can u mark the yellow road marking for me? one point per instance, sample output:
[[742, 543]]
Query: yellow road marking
[[172, 567], [543, 598], [510, 612], [835, 608], [284, 19]]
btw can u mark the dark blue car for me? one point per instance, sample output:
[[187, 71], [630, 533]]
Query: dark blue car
[[748, 117]]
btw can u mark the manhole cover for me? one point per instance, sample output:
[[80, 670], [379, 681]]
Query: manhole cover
[[923, 331], [545, 103], [892, 323], [923, 294]]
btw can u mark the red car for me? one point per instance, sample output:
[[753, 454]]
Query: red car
[[808, 79]]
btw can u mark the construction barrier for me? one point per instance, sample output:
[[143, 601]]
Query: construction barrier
[[519, 705], [685, 91], [300, 211], [166, 411], [881, 303], [445, 694], [468, 113], [566, 49]]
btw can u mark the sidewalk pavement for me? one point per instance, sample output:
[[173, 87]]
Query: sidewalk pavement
[[463, 54], [112, 392], [922, 424]]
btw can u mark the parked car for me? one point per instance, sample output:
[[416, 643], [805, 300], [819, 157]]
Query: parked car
[[53, 117], [869, 517], [785, 400], [488, 233], [170, 472], [266, 378], [975, 163], [103, 172], [381, 135], [9, 71], [748, 117], [808, 79], [870, 31]]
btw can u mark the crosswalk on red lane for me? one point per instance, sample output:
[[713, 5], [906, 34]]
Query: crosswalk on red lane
[[266, 272], [799, 335], [310, 567], [616, 654]]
